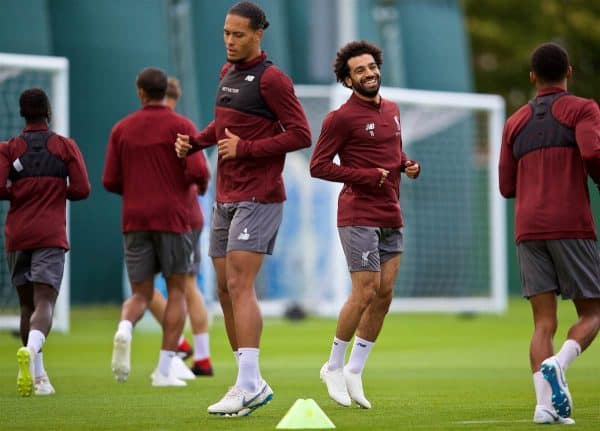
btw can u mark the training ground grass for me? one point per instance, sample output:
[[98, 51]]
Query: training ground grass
[[426, 372]]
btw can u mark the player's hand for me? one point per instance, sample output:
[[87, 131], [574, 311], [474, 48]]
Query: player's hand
[[227, 147], [412, 169], [384, 175], [182, 145]]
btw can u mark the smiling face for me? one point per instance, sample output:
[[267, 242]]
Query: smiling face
[[242, 42], [364, 77]]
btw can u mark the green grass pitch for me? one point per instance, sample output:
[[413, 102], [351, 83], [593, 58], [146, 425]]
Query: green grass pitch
[[426, 372]]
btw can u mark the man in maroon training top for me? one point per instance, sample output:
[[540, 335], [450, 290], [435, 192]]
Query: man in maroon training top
[[258, 119], [39, 171], [365, 133], [549, 147], [155, 186]]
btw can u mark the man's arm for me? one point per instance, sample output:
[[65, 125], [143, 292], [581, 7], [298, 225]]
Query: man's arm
[[187, 144], [4, 171], [79, 184], [507, 167], [277, 91], [587, 135], [330, 142], [112, 178]]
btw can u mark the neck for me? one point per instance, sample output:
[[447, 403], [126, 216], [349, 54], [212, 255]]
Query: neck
[[373, 99], [153, 102], [543, 85]]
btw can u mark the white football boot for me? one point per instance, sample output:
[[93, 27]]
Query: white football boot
[[121, 356], [547, 415], [238, 402], [355, 388], [336, 385], [42, 386], [555, 376]]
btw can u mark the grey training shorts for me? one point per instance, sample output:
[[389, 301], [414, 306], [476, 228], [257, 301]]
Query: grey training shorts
[[569, 267], [366, 247], [247, 226], [41, 265], [150, 252]]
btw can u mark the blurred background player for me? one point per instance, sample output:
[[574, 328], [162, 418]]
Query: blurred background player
[[195, 303], [549, 147], [39, 171], [258, 119], [155, 186], [365, 134]]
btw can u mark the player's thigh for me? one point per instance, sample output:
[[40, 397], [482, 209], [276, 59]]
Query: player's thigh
[[538, 274], [222, 214], [175, 253], [389, 273], [47, 267], [141, 259], [361, 248], [577, 265], [254, 227]]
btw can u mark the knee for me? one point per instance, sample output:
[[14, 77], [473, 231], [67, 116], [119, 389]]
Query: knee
[[364, 295], [546, 327], [383, 301]]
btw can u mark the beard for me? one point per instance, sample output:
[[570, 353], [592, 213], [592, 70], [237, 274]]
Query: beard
[[364, 91]]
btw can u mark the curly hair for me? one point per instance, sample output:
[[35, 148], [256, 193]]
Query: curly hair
[[550, 62], [34, 105], [354, 49]]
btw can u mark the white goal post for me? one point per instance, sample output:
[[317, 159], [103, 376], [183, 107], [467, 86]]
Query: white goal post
[[461, 267], [18, 72]]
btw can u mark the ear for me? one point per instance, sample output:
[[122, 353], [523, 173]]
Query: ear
[[348, 81], [532, 77], [569, 72], [259, 34]]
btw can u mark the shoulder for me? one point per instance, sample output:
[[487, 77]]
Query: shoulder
[[125, 121], [224, 69], [184, 122], [519, 116], [570, 109], [275, 76], [390, 106]]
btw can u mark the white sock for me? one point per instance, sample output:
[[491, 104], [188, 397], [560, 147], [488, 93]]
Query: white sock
[[125, 327], [248, 377], [338, 353], [164, 361], [358, 356], [567, 353], [236, 356], [201, 346], [39, 365], [543, 391], [35, 341]]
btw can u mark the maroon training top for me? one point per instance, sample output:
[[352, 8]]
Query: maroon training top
[[142, 166], [37, 214], [550, 184], [366, 136], [198, 188], [260, 107]]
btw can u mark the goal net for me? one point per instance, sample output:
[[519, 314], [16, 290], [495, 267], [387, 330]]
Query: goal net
[[17, 73], [454, 256]]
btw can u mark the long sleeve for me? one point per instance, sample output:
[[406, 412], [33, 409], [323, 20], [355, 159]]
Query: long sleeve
[[277, 91], [587, 135], [206, 138], [507, 168], [4, 171], [79, 184], [331, 140], [112, 178]]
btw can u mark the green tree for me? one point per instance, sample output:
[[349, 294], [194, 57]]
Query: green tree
[[503, 33]]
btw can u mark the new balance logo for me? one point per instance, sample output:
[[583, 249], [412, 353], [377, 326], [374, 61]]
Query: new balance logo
[[365, 258], [370, 127], [361, 344], [244, 236], [249, 78]]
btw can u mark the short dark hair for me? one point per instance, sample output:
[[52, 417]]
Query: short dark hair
[[257, 17], [153, 81], [173, 88], [354, 49], [35, 106], [550, 62]]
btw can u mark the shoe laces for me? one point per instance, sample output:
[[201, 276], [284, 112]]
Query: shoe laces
[[39, 380], [234, 393]]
